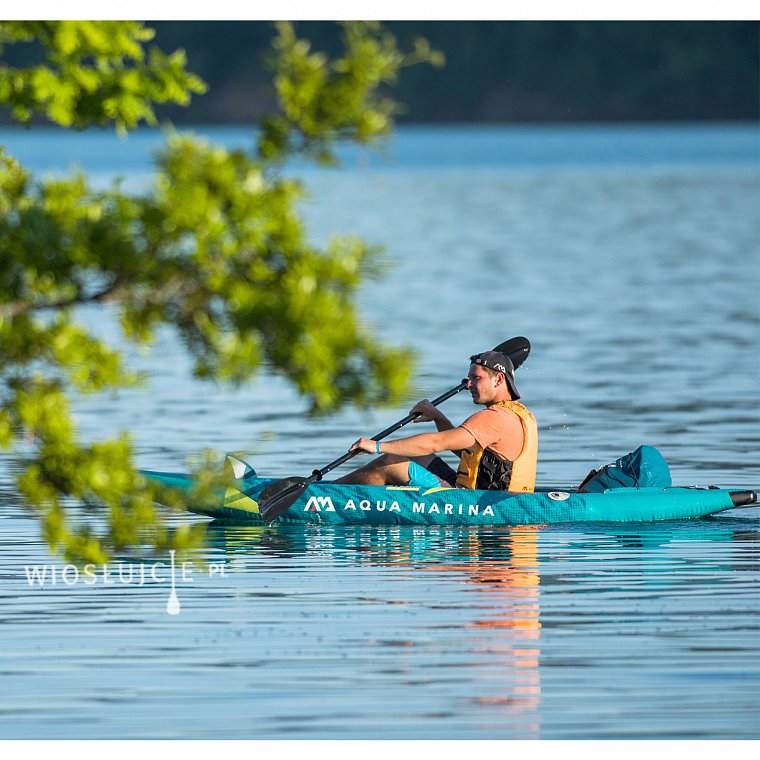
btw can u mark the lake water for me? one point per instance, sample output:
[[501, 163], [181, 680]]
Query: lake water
[[630, 256]]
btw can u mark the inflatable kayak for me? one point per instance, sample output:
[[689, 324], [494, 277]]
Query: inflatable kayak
[[334, 504]]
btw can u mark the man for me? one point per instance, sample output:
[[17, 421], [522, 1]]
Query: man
[[497, 446]]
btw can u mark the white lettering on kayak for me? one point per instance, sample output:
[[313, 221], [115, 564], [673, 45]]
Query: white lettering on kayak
[[325, 504], [420, 507], [317, 503]]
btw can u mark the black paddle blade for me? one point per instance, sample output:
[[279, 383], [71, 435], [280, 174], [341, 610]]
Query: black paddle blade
[[277, 498], [517, 349]]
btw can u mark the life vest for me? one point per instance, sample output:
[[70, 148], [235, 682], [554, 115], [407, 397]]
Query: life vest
[[482, 469]]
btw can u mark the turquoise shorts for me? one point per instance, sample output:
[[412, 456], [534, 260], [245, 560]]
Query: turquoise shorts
[[422, 478]]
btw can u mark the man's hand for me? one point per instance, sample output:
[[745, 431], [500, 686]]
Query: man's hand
[[367, 445], [427, 412]]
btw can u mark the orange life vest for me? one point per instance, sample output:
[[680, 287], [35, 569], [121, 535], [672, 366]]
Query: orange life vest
[[482, 469]]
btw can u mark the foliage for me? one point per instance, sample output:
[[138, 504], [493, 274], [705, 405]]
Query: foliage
[[215, 250], [94, 72], [323, 101]]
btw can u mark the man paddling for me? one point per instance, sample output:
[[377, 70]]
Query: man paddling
[[497, 446]]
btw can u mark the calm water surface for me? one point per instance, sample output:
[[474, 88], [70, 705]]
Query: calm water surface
[[631, 259]]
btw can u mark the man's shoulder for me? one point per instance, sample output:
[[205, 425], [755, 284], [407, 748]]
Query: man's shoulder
[[502, 413]]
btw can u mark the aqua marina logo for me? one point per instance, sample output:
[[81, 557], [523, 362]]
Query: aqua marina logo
[[124, 575], [318, 503]]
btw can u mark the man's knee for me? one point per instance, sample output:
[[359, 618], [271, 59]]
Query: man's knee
[[394, 468], [389, 460]]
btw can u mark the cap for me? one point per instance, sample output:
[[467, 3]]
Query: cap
[[498, 362]]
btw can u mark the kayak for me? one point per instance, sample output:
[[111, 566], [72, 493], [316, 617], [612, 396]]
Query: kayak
[[331, 503]]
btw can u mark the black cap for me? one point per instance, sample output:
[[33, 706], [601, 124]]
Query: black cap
[[498, 362]]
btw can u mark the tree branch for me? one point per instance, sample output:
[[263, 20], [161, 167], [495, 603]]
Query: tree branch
[[114, 292]]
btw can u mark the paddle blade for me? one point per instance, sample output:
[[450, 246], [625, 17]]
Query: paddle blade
[[517, 349], [277, 498]]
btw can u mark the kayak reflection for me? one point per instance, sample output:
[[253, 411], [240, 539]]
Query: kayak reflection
[[500, 566], [506, 567], [483, 617]]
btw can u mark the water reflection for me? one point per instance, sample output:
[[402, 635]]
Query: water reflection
[[506, 567], [491, 608], [503, 565], [499, 556]]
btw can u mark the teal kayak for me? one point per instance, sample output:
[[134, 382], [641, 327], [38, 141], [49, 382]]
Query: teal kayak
[[334, 504]]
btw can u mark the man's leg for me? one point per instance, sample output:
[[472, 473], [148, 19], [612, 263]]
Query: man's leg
[[386, 470]]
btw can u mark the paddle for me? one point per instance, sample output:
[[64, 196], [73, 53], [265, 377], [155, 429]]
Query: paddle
[[277, 497]]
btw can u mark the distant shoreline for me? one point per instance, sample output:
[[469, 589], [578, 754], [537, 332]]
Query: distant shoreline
[[496, 72]]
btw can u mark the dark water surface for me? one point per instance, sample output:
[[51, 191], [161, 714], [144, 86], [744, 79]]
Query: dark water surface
[[631, 259]]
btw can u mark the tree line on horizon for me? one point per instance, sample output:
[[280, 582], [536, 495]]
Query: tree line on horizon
[[512, 71], [495, 71]]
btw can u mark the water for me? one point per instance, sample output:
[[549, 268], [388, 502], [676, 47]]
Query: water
[[631, 259]]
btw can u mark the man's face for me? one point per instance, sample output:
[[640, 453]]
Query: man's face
[[481, 385]]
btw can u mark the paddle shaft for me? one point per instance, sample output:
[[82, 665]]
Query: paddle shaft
[[319, 474], [517, 356]]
